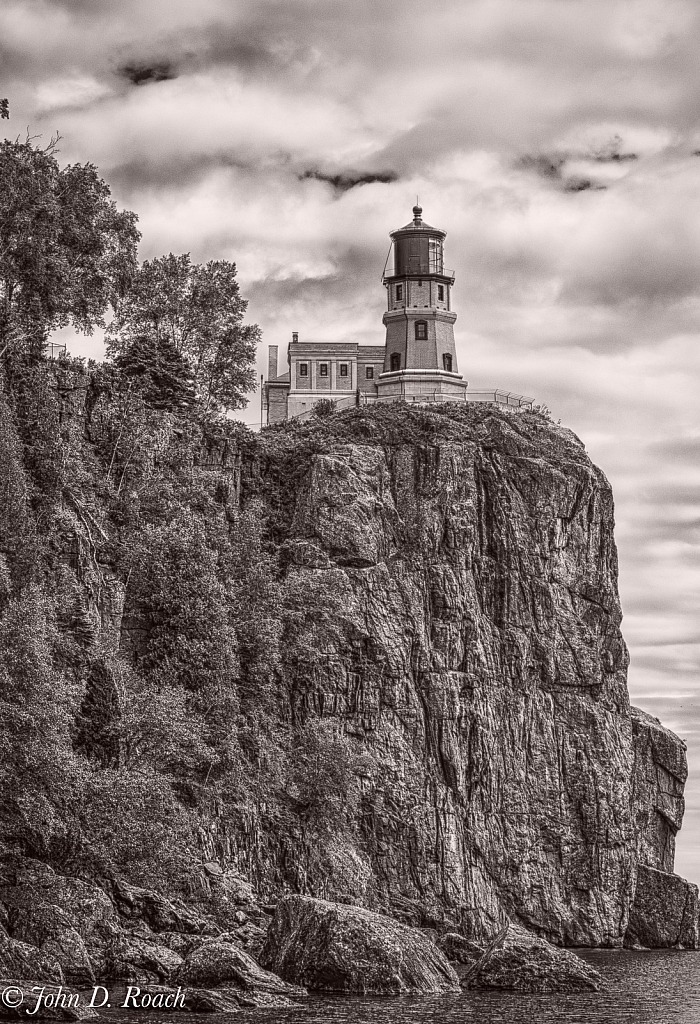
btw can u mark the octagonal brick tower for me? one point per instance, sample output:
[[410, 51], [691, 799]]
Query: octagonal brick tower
[[420, 358]]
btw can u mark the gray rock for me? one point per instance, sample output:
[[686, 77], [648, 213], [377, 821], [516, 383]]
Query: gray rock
[[337, 948], [217, 963], [135, 903], [20, 960], [664, 912], [50, 929], [131, 959], [533, 965], [74, 918]]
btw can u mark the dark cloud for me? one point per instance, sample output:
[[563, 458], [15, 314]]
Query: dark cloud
[[141, 73], [574, 184], [345, 181]]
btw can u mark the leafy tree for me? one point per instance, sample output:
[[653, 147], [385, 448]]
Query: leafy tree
[[136, 825], [162, 375], [323, 776], [66, 251], [198, 310], [183, 636], [4, 109], [37, 704]]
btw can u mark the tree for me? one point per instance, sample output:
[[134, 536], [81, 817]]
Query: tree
[[4, 109], [198, 310], [66, 252], [162, 375]]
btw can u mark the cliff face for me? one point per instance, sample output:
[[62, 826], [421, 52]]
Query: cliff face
[[374, 658], [480, 662]]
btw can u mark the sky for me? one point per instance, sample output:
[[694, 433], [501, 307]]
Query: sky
[[556, 141]]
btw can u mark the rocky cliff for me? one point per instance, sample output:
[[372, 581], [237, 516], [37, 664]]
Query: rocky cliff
[[479, 660], [374, 658]]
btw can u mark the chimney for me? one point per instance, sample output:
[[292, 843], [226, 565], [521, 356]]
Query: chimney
[[271, 362], [295, 337]]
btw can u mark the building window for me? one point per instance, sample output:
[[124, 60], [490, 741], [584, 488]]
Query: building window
[[303, 369], [395, 361], [399, 292], [343, 369], [369, 373], [435, 255], [421, 330], [447, 362], [323, 369], [441, 293]]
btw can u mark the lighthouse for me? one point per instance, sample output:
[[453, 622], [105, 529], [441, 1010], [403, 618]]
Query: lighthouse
[[417, 362], [420, 359]]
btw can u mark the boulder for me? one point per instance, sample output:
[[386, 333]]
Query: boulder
[[217, 963], [20, 960], [42, 1002], [333, 947], [50, 929], [664, 912], [160, 914], [533, 965], [132, 959], [73, 917]]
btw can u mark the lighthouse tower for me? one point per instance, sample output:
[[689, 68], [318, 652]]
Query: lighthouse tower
[[420, 360]]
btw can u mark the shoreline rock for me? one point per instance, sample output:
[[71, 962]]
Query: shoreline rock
[[333, 947]]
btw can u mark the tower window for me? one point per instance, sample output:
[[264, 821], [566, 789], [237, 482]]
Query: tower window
[[435, 255], [447, 362], [303, 369], [343, 369], [441, 293], [399, 292], [369, 373], [323, 369], [421, 330], [395, 361]]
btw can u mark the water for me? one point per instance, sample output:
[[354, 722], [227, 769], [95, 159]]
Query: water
[[656, 987]]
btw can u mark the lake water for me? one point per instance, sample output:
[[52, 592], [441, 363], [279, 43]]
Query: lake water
[[656, 987]]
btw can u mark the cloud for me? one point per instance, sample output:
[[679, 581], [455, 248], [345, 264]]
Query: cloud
[[142, 72]]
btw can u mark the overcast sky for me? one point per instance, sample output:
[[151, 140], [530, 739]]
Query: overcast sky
[[556, 141]]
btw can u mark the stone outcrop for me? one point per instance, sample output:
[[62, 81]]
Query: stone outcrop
[[221, 964], [664, 912], [470, 566], [659, 775], [72, 920], [26, 962], [334, 948], [50, 928]]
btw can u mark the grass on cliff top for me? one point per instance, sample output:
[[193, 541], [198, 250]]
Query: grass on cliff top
[[399, 423]]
